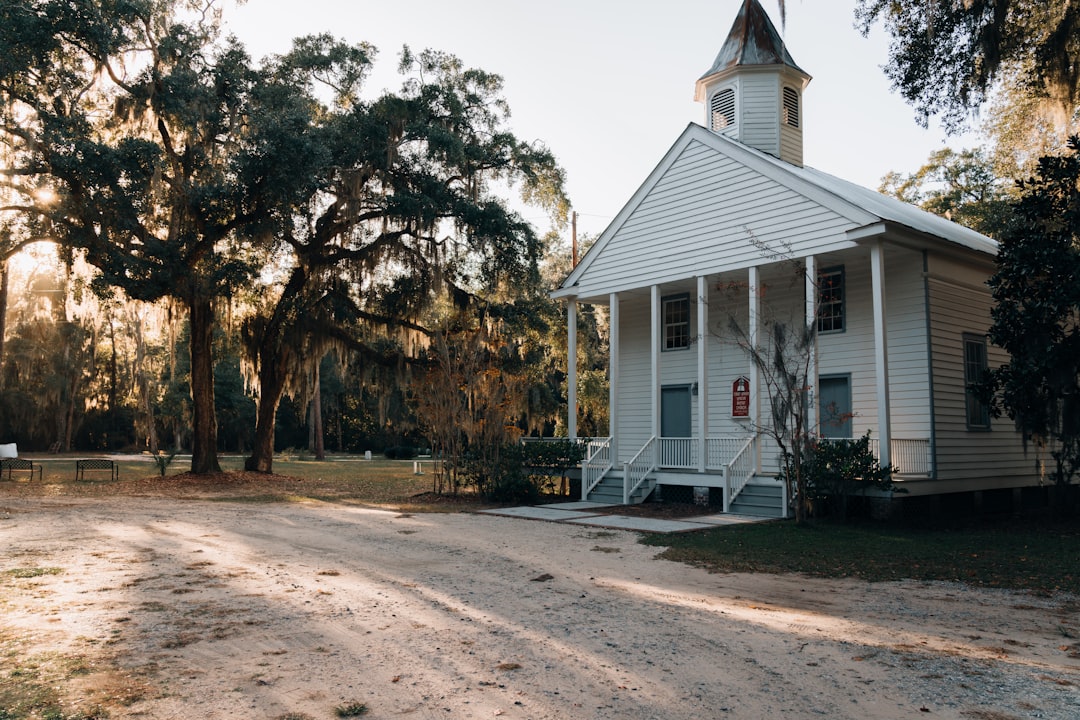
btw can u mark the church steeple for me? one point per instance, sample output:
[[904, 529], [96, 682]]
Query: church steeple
[[753, 91]]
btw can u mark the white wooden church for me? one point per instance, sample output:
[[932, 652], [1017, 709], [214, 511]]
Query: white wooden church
[[731, 227]]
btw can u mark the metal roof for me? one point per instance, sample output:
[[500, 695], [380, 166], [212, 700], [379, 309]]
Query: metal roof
[[753, 40]]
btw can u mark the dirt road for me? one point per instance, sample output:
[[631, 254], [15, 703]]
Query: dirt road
[[196, 609]]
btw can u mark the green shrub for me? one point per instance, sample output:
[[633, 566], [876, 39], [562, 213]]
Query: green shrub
[[841, 469]]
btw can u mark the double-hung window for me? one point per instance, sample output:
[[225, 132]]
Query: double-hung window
[[830, 310], [675, 311], [975, 367]]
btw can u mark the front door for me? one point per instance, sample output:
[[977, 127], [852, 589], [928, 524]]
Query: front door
[[834, 407], [675, 411]]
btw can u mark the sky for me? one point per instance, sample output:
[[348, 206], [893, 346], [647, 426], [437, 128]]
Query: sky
[[608, 86]]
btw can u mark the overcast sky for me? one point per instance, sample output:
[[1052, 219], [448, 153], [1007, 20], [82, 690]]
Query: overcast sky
[[609, 85]]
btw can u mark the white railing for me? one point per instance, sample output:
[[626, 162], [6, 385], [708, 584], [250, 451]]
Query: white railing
[[909, 457], [639, 467], [719, 451], [739, 470], [678, 453], [595, 465]]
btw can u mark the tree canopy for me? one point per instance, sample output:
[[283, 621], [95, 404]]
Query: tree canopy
[[945, 56], [182, 169], [961, 186], [1036, 318]]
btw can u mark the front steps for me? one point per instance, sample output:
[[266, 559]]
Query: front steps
[[760, 501], [610, 490], [757, 500]]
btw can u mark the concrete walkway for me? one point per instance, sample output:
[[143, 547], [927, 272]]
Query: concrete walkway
[[585, 513]]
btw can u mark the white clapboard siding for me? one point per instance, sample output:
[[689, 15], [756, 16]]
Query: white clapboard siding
[[760, 95], [728, 300], [996, 456], [709, 213], [635, 399], [791, 142]]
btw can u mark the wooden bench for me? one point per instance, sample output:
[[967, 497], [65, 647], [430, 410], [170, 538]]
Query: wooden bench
[[94, 464], [12, 464]]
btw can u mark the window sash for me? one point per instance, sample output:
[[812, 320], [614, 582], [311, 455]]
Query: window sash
[[977, 412], [830, 309], [675, 314]]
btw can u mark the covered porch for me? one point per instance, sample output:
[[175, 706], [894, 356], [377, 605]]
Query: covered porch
[[723, 446]]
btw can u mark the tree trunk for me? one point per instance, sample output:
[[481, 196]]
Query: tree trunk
[[271, 388], [204, 457], [319, 444], [114, 373], [3, 312], [142, 377]]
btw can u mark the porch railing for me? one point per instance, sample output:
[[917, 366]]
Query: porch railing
[[595, 465], [908, 456], [739, 470], [678, 453], [639, 467], [719, 451]]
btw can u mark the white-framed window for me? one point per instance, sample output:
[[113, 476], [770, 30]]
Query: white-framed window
[[722, 109], [975, 366], [791, 107], [675, 316], [830, 310]]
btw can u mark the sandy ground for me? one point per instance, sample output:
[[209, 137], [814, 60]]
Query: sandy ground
[[196, 609]]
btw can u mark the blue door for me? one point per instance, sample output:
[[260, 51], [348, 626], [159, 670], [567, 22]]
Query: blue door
[[675, 423], [834, 407]]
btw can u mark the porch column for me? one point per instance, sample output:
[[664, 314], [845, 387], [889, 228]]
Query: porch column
[[613, 375], [811, 365], [571, 369], [753, 322], [654, 372], [703, 371], [881, 350]]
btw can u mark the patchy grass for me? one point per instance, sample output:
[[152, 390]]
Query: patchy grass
[[32, 572], [378, 482], [353, 709], [33, 686], [1032, 556]]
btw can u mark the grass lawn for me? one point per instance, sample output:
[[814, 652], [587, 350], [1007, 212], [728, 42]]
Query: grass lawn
[[1041, 557]]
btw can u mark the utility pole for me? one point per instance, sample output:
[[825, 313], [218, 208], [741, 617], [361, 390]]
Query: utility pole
[[573, 244]]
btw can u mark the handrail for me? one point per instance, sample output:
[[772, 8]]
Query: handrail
[[739, 471], [639, 467], [595, 465]]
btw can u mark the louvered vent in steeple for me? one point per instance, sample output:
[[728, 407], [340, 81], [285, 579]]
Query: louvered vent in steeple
[[723, 109], [791, 107]]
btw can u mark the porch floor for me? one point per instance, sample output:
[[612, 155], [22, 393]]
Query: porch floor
[[584, 513]]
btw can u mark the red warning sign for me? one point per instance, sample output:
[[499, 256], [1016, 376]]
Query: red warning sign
[[740, 398]]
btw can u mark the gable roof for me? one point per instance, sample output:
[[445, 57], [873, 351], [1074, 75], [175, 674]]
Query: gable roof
[[752, 40], [860, 208]]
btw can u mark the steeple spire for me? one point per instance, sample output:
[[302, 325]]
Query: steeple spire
[[753, 40], [753, 90]]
